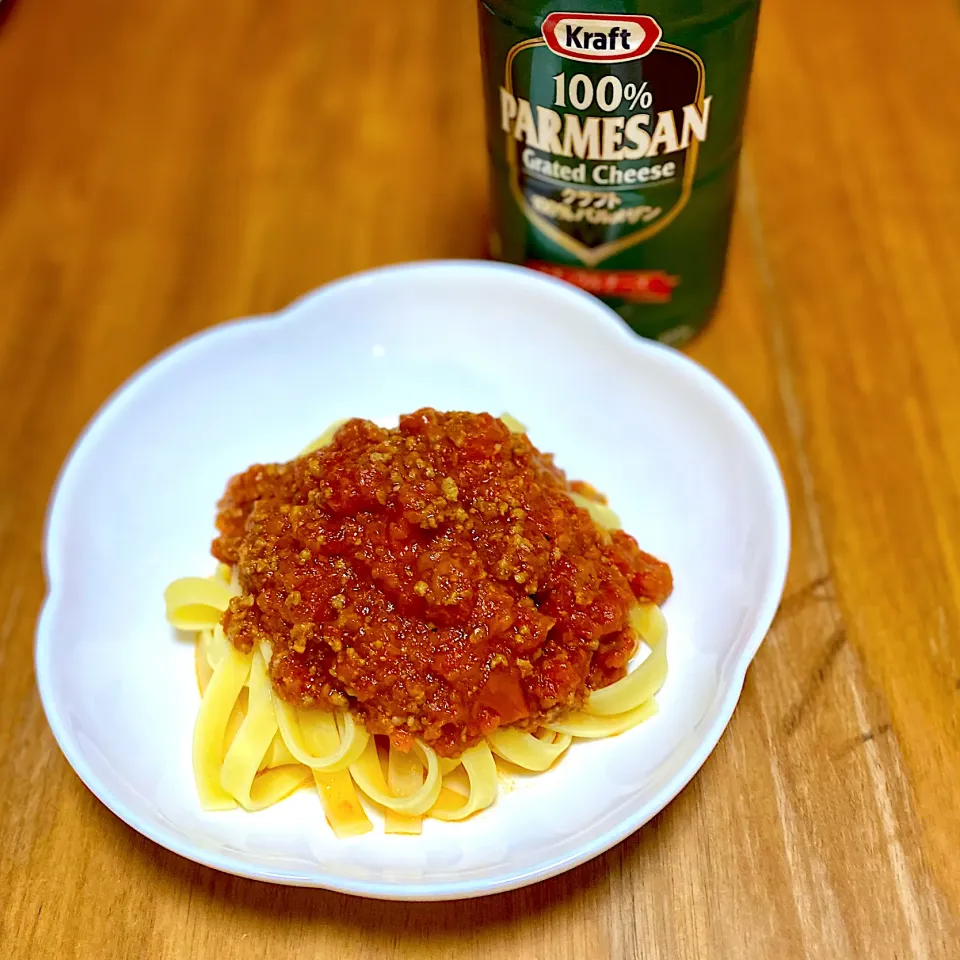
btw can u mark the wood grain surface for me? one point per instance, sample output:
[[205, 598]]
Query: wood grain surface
[[167, 165]]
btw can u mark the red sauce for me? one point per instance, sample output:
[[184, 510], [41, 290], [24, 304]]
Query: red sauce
[[436, 579]]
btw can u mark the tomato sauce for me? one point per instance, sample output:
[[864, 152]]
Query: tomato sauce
[[436, 579]]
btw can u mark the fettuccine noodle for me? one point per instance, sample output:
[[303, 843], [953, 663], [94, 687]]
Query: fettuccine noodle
[[251, 748]]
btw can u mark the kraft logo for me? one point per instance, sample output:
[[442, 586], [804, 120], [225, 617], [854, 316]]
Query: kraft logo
[[600, 37]]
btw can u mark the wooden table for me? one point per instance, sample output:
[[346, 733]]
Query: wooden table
[[164, 166]]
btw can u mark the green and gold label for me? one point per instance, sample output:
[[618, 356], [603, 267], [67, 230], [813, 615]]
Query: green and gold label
[[603, 122]]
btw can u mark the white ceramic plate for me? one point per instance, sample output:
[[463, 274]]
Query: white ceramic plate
[[683, 463]]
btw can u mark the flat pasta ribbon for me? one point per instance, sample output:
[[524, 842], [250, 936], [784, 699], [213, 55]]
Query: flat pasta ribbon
[[241, 765], [648, 621], [368, 774], [292, 722], [197, 603], [448, 765], [512, 423], [324, 440], [277, 754], [210, 729], [590, 727], [526, 750], [482, 770], [404, 777], [638, 686], [337, 791], [601, 514]]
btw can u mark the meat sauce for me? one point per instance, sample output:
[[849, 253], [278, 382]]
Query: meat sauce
[[436, 579]]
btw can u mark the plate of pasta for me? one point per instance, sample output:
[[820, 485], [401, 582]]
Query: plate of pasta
[[435, 584]]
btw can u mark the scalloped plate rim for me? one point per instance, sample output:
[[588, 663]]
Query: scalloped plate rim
[[716, 719]]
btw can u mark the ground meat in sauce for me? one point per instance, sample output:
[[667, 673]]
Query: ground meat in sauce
[[436, 579]]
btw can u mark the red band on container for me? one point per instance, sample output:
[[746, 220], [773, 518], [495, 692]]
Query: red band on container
[[642, 286]]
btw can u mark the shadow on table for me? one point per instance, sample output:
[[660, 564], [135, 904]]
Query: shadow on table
[[6, 8]]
